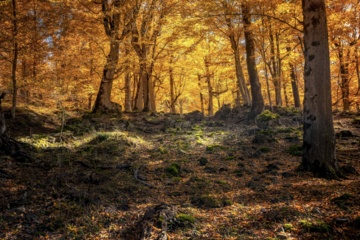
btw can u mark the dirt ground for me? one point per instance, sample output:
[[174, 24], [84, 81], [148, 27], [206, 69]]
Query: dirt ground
[[94, 177]]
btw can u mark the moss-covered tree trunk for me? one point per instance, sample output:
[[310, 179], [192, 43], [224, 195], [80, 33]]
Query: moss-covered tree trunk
[[319, 140]]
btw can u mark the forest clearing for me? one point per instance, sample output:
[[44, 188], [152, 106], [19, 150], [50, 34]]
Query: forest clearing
[[179, 119]]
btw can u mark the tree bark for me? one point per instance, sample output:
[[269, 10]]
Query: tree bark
[[318, 140], [201, 96], [111, 24], [15, 51], [172, 88], [257, 105], [210, 89], [345, 81], [239, 72], [294, 86]]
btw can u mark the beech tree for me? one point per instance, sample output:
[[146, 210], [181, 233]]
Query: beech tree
[[257, 100], [114, 13], [318, 140]]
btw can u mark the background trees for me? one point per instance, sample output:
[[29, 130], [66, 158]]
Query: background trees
[[171, 54]]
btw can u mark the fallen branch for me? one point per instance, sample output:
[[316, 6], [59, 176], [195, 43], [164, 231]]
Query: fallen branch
[[136, 176]]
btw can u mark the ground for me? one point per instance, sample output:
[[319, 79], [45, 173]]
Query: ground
[[94, 177]]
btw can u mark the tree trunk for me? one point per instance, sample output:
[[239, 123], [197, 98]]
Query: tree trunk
[[210, 89], [318, 140], [294, 86], [15, 51], [257, 100], [241, 84], [128, 91], [103, 99], [274, 69], [172, 89], [345, 81], [201, 96], [111, 24], [268, 87]]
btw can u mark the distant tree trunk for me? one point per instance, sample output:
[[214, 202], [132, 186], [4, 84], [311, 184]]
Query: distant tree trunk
[[285, 95], [2, 117], [201, 95], [318, 140], [294, 86], [257, 100], [268, 88], [172, 88], [15, 50], [139, 100], [210, 89], [239, 72], [275, 69], [181, 103], [111, 24], [344, 74], [127, 91]]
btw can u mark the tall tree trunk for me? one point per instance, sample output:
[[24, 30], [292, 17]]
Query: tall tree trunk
[[128, 91], [268, 87], [294, 86], [103, 99], [345, 81], [139, 100], [111, 24], [318, 140], [210, 89], [285, 95], [172, 88], [240, 74], [201, 95], [241, 84], [15, 50], [257, 100], [127, 81], [274, 69]]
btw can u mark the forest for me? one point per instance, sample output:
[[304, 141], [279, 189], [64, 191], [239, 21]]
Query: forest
[[179, 119]]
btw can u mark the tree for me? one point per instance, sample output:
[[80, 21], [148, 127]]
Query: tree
[[112, 11], [318, 140], [257, 105]]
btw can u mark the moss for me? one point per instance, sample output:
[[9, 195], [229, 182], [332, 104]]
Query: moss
[[288, 226], [185, 218], [227, 202], [205, 201], [318, 226], [173, 170], [285, 130], [266, 116], [295, 150]]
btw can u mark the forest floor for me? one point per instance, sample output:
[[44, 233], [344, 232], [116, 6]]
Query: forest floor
[[225, 180]]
